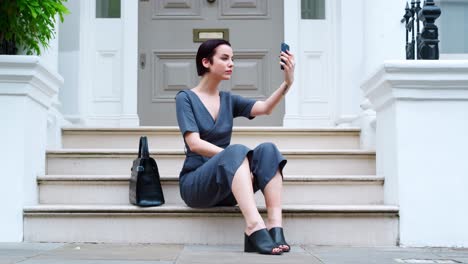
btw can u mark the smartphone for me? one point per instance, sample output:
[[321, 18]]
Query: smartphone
[[284, 48]]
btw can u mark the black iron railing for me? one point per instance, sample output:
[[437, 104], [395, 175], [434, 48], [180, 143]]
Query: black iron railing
[[423, 44]]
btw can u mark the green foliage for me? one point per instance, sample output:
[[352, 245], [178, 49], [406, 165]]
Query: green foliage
[[30, 23]]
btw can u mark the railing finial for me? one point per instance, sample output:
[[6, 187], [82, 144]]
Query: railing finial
[[426, 42]]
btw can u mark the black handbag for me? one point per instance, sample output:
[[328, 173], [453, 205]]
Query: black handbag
[[145, 183]]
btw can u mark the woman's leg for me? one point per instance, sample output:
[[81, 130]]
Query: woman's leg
[[272, 193], [243, 192]]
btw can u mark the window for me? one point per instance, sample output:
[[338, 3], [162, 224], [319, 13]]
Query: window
[[313, 9], [453, 26], [108, 8]]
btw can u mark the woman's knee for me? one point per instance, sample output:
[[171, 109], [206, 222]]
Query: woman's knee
[[267, 146], [245, 167], [237, 148], [244, 171]]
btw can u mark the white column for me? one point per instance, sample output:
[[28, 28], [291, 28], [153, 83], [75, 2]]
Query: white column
[[350, 53], [422, 147], [55, 119], [71, 56], [292, 16], [26, 92], [129, 114]]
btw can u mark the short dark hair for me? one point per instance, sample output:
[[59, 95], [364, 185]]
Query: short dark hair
[[207, 50]]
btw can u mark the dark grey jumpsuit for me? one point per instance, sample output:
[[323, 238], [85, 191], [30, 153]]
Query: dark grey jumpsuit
[[204, 181]]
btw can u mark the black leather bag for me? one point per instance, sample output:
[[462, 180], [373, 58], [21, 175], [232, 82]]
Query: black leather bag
[[145, 183]]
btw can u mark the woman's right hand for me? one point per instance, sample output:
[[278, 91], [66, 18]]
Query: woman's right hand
[[288, 63]]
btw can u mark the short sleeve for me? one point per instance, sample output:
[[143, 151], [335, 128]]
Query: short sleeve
[[185, 115], [242, 106]]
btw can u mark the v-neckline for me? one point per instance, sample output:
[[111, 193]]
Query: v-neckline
[[206, 109]]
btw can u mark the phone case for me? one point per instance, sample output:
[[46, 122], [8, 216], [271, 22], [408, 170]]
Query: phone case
[[284, 48]]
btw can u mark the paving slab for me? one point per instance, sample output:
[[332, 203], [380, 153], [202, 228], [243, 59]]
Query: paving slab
[[377, 255], [114, 252], [457, 254], [90, 261], [230, 248], [235, 254], [52, 253], [16, 252], [453, 252]]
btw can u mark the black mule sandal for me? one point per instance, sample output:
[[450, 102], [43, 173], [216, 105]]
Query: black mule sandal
[[277, 235], [260, 241]]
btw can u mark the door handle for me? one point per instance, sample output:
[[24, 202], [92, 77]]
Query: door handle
[[211, 1], [142, 60]]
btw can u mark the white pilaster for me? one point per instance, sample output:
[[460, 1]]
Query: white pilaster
[[292, 16], [55, 119], [421, 147], [129, 114], [27, 88], [349, 64]]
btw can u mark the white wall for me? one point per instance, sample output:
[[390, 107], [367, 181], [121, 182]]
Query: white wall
[[49, 56], [421, 148], [27, 89], [384, 34], [432, 149]]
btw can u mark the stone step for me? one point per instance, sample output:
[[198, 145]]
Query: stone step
[[119, 162], [170, 137], [305, 190], [364, 225]]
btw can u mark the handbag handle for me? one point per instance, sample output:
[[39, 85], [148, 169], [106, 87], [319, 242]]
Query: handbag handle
[[143, 148]]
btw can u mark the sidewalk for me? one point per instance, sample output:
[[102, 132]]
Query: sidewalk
[[55, 253]]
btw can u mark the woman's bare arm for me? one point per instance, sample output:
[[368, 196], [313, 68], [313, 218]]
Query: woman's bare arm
[[267, 106], [200, 146]]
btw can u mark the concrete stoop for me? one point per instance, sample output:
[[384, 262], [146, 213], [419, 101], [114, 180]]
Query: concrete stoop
[[306, 190], [331, 193], [375, 225]]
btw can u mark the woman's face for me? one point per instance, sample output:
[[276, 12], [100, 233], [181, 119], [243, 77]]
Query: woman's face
[[222, 63]]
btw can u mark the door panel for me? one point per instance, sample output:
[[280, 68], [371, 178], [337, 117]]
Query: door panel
[[166, 44], [232, 9]]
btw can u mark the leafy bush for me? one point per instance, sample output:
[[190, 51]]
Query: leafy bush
[[29, 24]]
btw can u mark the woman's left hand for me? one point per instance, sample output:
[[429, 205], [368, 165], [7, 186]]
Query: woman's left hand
[[288, 66]]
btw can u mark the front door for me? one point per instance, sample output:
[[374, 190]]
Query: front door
[[169, 31]]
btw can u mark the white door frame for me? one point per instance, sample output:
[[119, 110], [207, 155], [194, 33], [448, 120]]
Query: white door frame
[[295, 116]]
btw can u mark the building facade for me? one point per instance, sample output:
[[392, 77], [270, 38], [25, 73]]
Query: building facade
[[120, 63]]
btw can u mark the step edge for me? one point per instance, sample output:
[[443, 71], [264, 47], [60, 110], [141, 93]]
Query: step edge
[[134, 152], [159, 129], [126, 178], [176, 209]]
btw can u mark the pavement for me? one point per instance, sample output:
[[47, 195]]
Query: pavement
[[74, 253]]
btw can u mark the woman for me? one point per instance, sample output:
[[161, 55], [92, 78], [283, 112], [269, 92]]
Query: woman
[[216, 173]]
